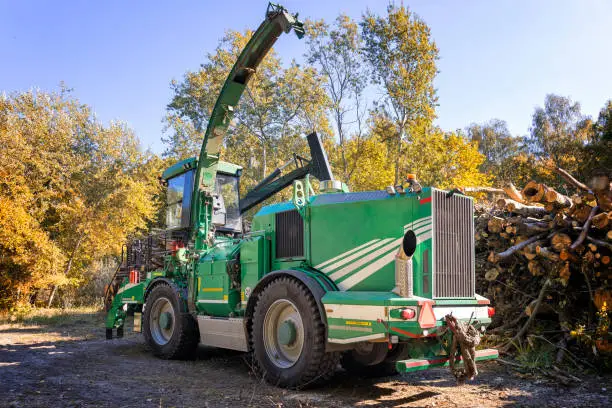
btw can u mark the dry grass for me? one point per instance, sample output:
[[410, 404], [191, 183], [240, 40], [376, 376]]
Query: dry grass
[[42, 324], [48, 316]]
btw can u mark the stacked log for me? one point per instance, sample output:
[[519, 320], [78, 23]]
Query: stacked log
[[543, 235]]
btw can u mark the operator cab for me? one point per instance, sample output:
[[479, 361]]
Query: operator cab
[[226, 208]]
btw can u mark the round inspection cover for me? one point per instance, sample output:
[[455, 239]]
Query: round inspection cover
[[409, 243]]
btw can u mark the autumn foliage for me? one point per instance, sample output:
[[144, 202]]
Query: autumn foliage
[[71, 190]]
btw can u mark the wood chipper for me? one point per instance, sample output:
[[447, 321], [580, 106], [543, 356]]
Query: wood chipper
[[365, 279]]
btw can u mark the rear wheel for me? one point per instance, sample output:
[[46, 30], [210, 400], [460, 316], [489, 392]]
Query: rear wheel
[[356, 361], [289, 336], [169, 331]]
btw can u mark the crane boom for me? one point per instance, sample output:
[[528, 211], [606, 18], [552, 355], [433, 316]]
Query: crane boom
[[277, 21]]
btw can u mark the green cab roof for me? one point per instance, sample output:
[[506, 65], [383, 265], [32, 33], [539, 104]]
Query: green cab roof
[[191, 163]]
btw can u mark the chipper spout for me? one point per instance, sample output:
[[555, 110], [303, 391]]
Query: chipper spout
[[318, 166]]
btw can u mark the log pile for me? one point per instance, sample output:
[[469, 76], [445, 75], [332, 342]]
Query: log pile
[[545, 256]]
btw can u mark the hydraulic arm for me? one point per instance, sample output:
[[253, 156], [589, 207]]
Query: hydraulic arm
[[317, 166], [278, 20]]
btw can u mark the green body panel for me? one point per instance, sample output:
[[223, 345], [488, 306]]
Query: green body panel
[[179, 168], [216, 295], [360, 298], [372, 225], [344, 329], [369, 309], [254, 263]]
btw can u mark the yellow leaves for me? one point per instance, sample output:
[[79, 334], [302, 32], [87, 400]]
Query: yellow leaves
[[71, 190], [443, 160], [578, 331], [372, 168], [26, 250]]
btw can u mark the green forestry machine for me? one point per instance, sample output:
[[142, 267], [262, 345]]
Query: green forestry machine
[[365, 279]]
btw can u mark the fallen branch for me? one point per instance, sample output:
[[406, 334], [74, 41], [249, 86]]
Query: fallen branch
[[508, 252], [527, 324], [570, 179], [585, 229], [489, 190], [520, 208], [512, 192], [599, 242]]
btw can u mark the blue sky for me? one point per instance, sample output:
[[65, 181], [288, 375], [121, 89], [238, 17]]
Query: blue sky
[[498, 59]]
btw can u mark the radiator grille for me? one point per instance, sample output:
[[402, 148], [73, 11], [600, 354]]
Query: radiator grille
[[453, 252], [289, 234]]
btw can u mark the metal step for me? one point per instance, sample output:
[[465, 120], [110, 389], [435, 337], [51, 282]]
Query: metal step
[[418, 364], [227, 333]]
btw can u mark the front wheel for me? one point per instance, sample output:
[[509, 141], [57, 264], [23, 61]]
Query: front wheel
[[169, 331], [289, 336]]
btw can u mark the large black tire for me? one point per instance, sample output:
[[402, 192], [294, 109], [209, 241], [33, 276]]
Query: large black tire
[[292, 366], [353, 363], [180, 340]]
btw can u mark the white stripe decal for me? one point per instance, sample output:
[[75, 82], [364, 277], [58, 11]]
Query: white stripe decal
[[357, 339], [417, 223], [126, 287], [354, 256], [212, 301], [350, 251], [421, 221], [354, 312], [375, 266], [423, 229], [350, 268], [423, 237], [367, 271]]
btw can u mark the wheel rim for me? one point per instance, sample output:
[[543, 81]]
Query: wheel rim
[[162, 321], [283, 333]]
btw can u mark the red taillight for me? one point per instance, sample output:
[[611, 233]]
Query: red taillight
[[407, 314], [491, 311], [174, 246], [134, 276]]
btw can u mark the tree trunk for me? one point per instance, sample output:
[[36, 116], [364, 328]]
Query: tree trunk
[[398, 154], [52, 295], [341, 142], [264, 162], [67, 269]]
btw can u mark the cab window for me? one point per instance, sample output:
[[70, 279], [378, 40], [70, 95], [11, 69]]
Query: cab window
[[226, 215], [178, 200]]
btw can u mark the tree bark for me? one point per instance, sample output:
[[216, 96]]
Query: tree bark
[[571, 180], [508, 252], [67, 269], [522, 209], [512, 192]]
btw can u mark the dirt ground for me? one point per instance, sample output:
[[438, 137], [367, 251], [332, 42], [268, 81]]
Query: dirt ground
[[65, 362]]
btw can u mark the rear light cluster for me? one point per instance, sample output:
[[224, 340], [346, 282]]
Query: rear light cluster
[[491, 311], [407, 314], [134, 276]]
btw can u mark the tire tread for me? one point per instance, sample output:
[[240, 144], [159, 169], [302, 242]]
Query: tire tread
[[321, 365]]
